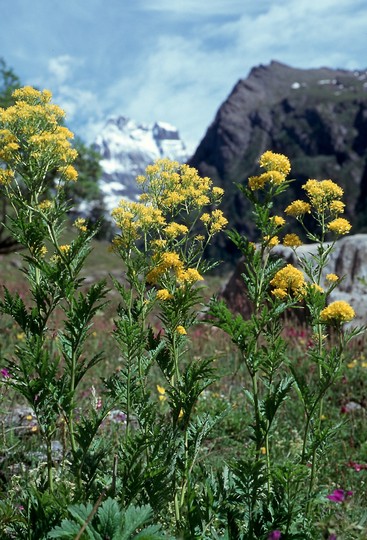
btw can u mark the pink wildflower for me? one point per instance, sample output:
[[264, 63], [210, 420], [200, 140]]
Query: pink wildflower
[[339, 495], [275, 535]]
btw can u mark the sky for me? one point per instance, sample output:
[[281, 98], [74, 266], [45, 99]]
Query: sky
[[169, 60]]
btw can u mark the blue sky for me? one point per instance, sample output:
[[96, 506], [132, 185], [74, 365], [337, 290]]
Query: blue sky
[[169, 60]]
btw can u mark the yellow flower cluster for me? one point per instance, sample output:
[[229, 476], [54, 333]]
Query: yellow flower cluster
[[175, 229], [277, 168], [275, 162], [135, 218], [288, 280], [31, 140], [168, 261], [80, 223], [168, 185], [6, 177], [65, 249], [214, 222], [161, 393], [181, 330], [298, 209], [163, 295], [271, 241], [322, 193], [324, 200], [292, 240], [337, 312], [45, 205], [191, 275], [278, 221], [339, 226]]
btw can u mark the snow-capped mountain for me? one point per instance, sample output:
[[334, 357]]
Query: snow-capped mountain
[[126, 148]]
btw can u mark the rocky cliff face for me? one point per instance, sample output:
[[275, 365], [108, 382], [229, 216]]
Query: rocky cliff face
[[317, 117], [126, 148]]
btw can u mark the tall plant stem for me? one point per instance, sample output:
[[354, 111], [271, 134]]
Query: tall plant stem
[[49, 466], [318, 423]]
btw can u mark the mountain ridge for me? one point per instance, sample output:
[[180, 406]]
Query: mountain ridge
[[126, 148], [317, 117]]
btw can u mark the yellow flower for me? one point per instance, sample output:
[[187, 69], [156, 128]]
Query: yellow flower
[[214, 222], [271, 242], [181, 330], [275, 162], [263, 450], [279, 293], [327, 187], [339, 312], [292, 240], [70, 173], [278, 221], [316, 288], [217, 193], [166, 261], [337, 207], [175, 229], [45, 205], [352, 364], [6, 177], [270, 177], [199, 238], [43, 251], [65, 249], [332, 278], [191, 275], [323, 193], [290, 279], [298, 208], [161, 393], [257, 182], [80, 223], [163, 294], [339, 226]]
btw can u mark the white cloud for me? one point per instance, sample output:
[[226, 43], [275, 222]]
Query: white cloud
[[62, 67], [216, 7], [184, 79], [194, 54]]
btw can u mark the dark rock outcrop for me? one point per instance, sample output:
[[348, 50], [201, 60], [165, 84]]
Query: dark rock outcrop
[[317, 117]]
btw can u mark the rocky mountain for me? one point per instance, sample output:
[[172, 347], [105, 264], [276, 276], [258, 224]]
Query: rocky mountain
[[126, 148], [317, 117]]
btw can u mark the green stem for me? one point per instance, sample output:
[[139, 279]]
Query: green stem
[[254, 378], [318, 423], [49, 466]]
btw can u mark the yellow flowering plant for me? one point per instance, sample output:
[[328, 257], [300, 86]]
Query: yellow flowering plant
[[274, 288], [161, 241], [47, 368]]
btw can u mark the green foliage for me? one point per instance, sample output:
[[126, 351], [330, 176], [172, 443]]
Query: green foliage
[[108, 522]]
